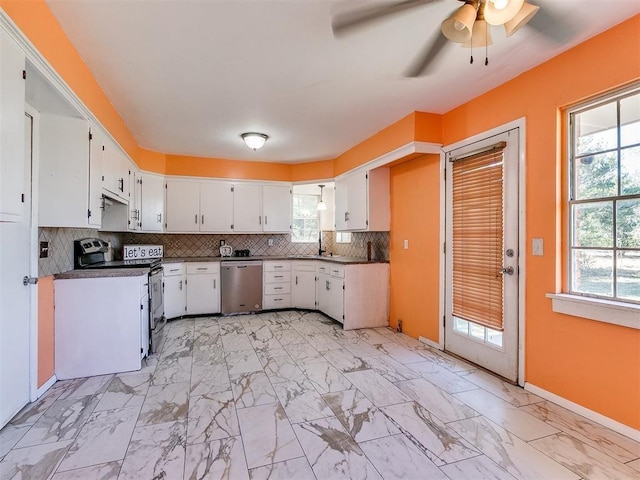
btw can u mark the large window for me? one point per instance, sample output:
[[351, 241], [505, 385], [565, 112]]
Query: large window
[[604, 198], [305, 218]]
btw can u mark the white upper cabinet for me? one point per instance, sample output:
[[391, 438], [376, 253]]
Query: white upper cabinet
[[64, 172], [276, 208], [96, 151], [216, 207], [152, 209], [116, 170], [12, 133], [363, 201], [182, 206], [247, 208], [193, 206]]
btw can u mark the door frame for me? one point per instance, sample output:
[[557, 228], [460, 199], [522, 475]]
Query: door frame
[[33, 253], [519, 123]]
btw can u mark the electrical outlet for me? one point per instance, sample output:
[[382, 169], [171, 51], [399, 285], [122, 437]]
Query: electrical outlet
[[44, 249], [406, 244], [270, 242], [537, 247]]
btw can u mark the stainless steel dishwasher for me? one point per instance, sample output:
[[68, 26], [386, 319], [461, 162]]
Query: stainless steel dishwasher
[[241, 286]]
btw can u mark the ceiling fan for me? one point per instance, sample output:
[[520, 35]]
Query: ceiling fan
[[468, 25]]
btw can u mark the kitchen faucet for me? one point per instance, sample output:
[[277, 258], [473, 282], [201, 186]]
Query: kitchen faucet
[[320, 250]]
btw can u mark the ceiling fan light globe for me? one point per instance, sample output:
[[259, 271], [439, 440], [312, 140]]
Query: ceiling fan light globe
[[500, 4], [459, 25], [525, 14], [481, 36], [499, 16]]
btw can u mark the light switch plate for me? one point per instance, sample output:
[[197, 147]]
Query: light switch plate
[[537, 247], [406, 244]]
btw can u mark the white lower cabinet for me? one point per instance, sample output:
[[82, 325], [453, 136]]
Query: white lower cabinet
[[175, 289], [330, 292], [276, 285], [99, 325], [303, 285], [203, 288]]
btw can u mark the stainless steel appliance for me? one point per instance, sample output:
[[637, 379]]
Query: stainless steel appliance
[[241, 286], [90, 253]]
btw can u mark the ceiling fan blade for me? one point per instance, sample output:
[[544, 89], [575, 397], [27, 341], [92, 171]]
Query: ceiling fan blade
[[557, 28], [420, 65], [345, 22]]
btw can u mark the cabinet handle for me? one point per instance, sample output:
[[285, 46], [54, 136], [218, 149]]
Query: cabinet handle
[[214, 283], [259, 220], [328, 285], [201, 268], [196, 218], [278, 276], [174, 270], [277, 266], [121, 187], [277, 288], [296, 279], [265, 220], [277, 299], [180, 284], [159, 218], [202, 220]]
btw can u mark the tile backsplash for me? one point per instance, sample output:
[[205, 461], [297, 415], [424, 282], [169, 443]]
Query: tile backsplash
[[60, 240], [192, 245]]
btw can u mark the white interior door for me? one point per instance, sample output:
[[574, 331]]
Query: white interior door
[[482, 205], [15, 264]]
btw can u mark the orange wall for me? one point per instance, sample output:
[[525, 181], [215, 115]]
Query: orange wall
[[415, 216], [46, 351], [590, 363], [221, 168]]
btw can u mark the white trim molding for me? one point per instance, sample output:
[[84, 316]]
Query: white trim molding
[[45, 386], [431, 343], [610, 423], [601, 310]]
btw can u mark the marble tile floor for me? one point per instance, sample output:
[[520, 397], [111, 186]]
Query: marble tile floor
[[290, 395]]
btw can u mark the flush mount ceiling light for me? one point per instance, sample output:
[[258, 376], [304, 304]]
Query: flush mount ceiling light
[[321, 204], [253, 140]]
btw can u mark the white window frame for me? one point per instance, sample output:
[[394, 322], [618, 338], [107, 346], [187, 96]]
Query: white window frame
[[294, 240], [611, 310]]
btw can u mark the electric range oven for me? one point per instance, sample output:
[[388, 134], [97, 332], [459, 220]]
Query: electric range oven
[[89, 253]]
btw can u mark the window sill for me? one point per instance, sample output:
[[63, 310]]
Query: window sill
[[616, 313]]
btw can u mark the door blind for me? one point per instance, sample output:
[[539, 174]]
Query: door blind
[[478, 237]]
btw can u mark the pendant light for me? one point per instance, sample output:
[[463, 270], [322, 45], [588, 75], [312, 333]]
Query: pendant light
[[254, 140], [321, 204]]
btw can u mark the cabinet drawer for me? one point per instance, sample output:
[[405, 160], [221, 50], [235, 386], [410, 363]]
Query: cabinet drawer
[[201, 267], [276, 288], [337, 271], [277, 277], [277, 301], [276, 266], [171, 269], [305, 267]]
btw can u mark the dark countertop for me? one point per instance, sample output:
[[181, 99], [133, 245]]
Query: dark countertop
[[324, 258], [101, 273]]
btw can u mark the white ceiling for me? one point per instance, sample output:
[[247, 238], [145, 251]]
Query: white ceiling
[[189, 76]]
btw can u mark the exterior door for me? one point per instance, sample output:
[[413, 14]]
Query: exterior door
[[15, 299], [481, 305]]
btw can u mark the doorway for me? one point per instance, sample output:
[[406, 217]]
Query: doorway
[[482, 216]]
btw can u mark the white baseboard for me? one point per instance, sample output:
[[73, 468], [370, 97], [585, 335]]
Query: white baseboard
[[46, 386], [431, 343], [614, 425]]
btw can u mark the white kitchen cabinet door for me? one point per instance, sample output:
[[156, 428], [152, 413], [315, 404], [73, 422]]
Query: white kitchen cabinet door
[[152, 202], [330, 296], [12, 144], [203, 293], [64, 171], [182, 206], [247, 208], [276, 208], [135, 201], [116, 169], [304, 289], [216, 207], [357, 201], [341, 207], [96, 152], [174, 289]]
